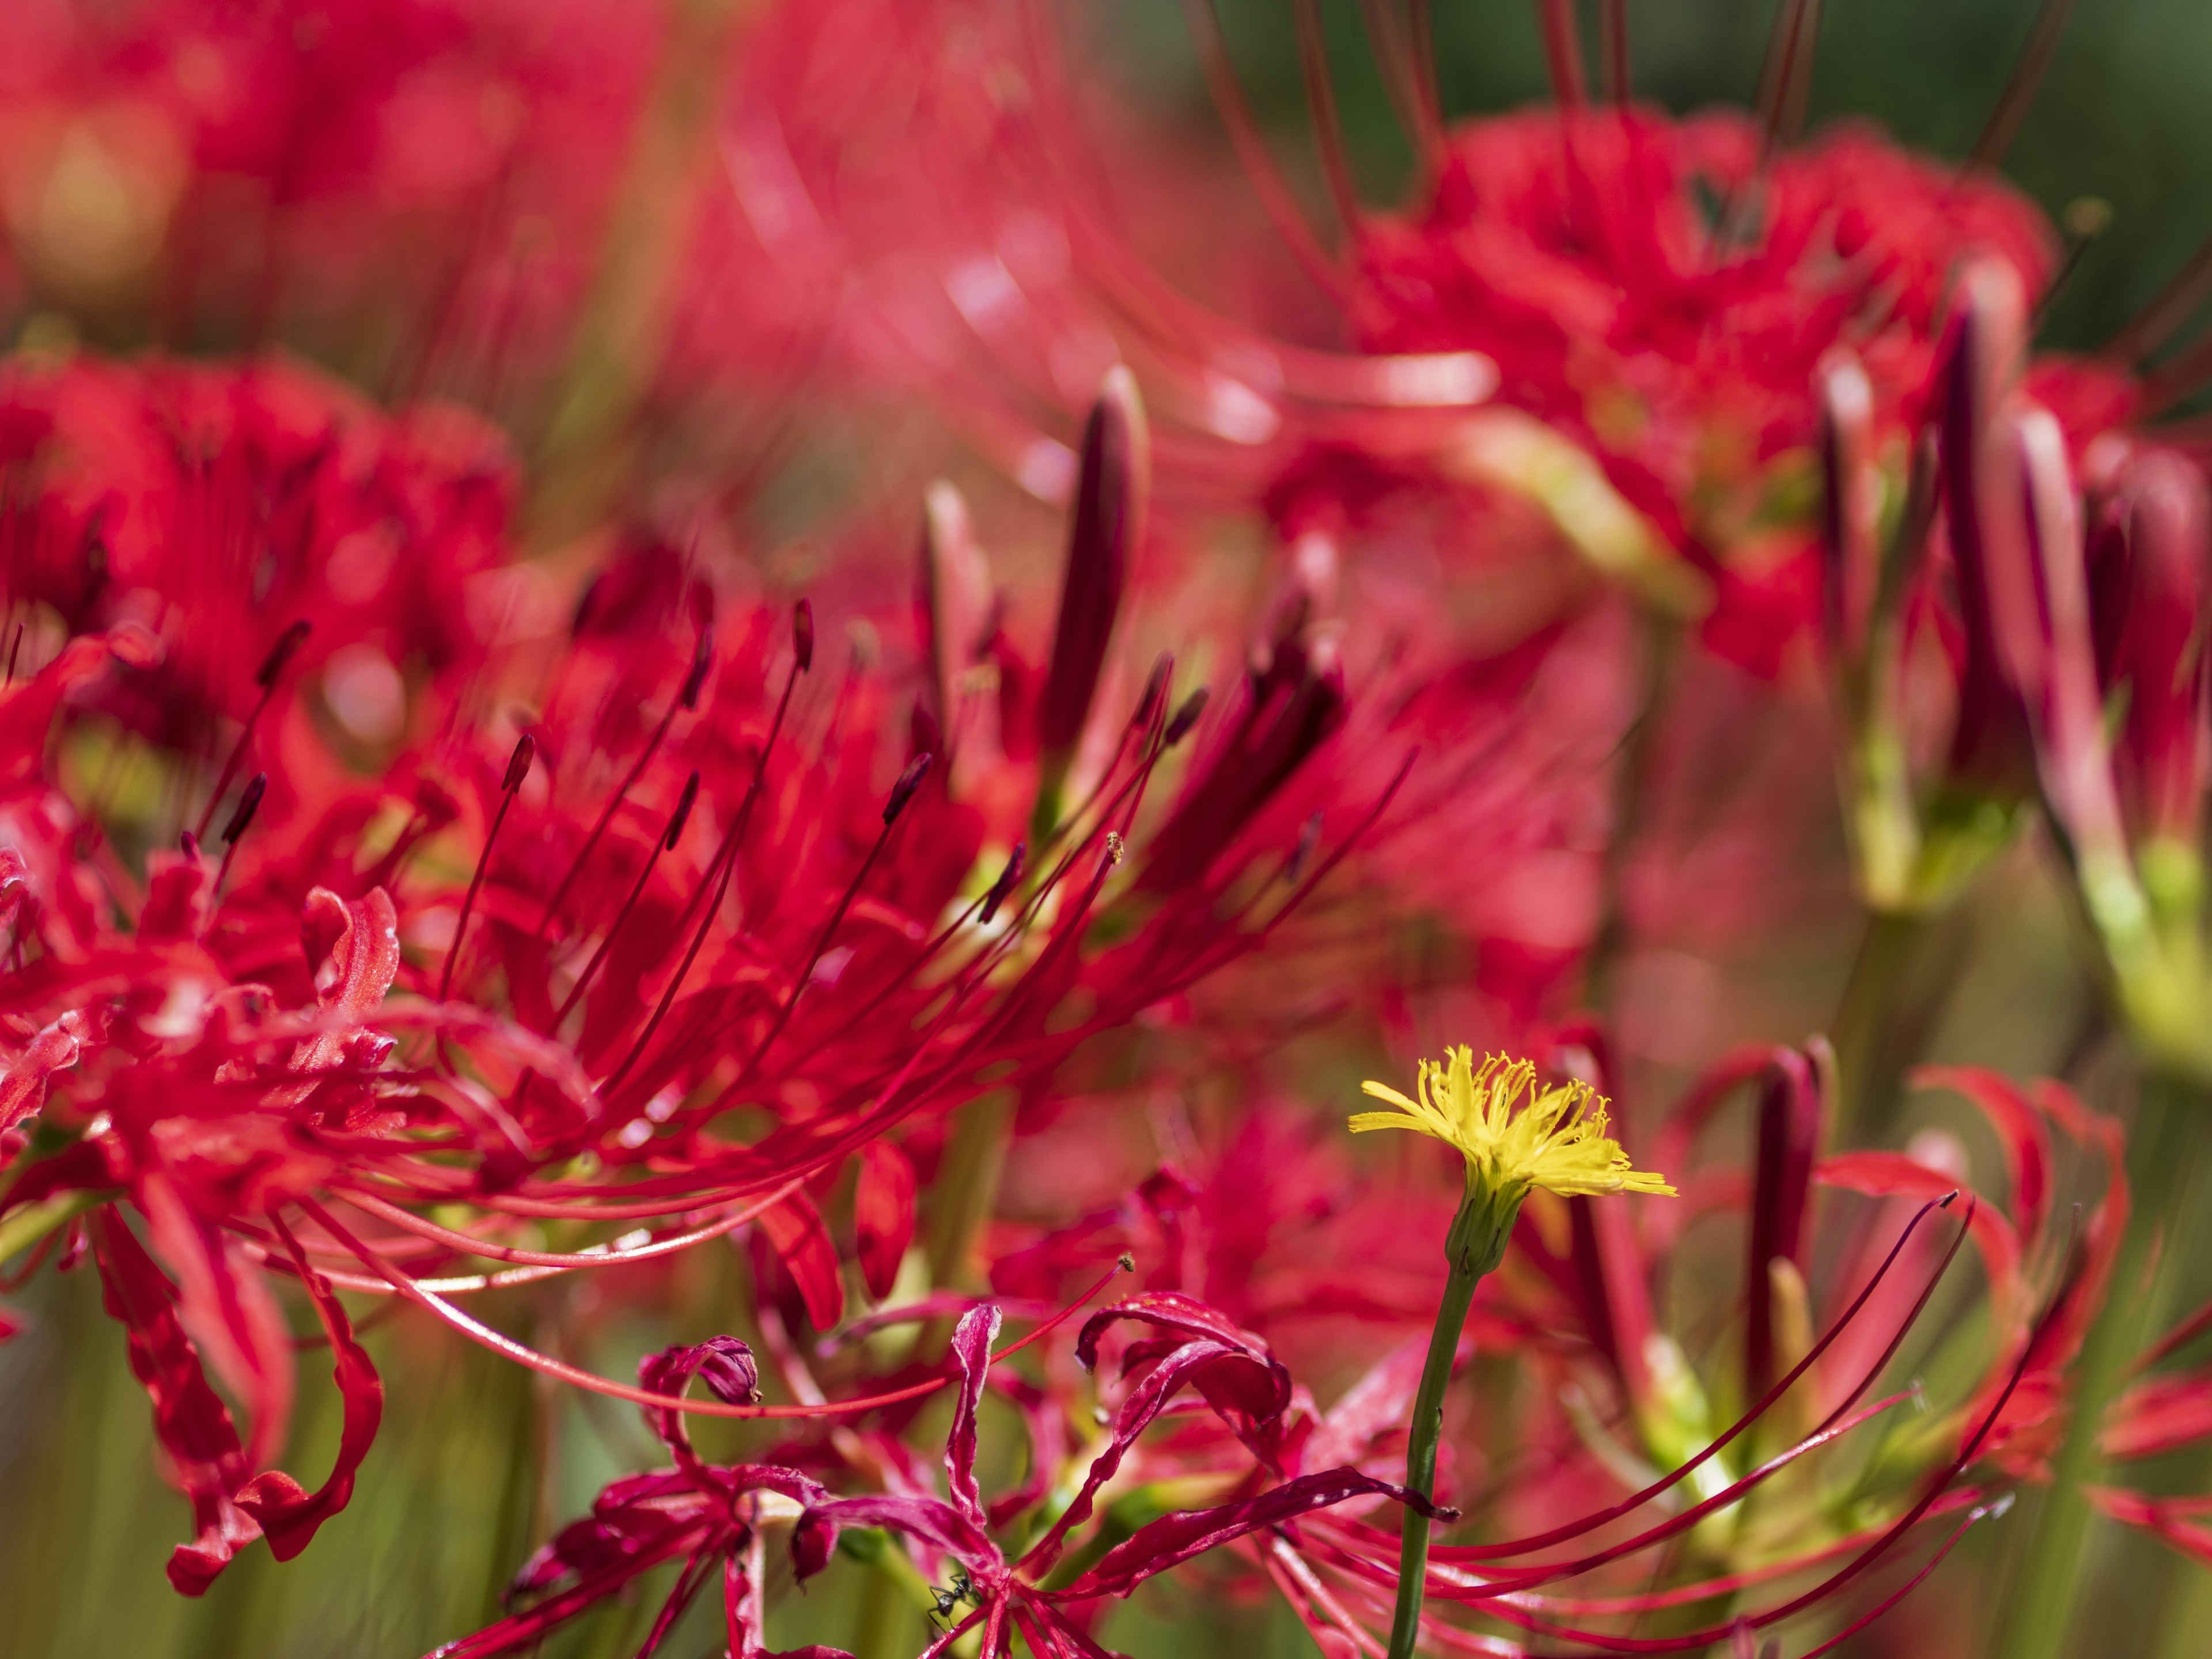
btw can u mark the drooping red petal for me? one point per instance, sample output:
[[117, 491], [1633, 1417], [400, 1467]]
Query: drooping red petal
[[190, 1419], [226, 1306], [971, 1350]]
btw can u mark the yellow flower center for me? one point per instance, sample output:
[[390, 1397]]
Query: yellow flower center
[[1513, 1134]]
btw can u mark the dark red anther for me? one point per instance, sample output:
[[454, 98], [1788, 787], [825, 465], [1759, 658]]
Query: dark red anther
[[249, 803], [288, 644], [1185, 718], [587, 603], [802, 633], [1109, 522], [1005, 884], [518, 763], [1155, 692], [1286, 720], [902, 791], [188, 844], [14, 646], [683, 813], [703, 659]]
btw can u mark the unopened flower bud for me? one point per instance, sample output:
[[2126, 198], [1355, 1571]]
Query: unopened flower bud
[[1109, 522]]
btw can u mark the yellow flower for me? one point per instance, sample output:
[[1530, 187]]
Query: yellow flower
[[1554, 1137]]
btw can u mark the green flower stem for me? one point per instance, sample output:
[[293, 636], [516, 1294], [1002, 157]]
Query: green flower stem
[[1866, 1065], [1473, 1246], [2168, 1139], [34, 1221]]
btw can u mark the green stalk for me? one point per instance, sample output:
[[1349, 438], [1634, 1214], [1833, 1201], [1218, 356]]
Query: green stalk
[[1866, 1068], [1472, 1248], [2168, 1138]]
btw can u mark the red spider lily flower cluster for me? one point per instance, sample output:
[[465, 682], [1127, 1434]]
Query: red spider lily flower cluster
[[709, 1514], [661, 948]]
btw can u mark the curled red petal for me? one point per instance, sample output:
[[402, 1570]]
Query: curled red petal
[[288, 1514], [1174, 1539]]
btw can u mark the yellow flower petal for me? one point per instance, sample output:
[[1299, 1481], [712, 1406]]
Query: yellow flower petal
[[1511, 1132]]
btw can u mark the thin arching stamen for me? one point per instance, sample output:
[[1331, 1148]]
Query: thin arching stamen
[[272, 667], [517, 769], [702, 660], [725, 862], [901, 793]]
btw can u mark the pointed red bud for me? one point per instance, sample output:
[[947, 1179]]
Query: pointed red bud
[[287, 645], [2060, 681], [1108, 523], [902, 791], [1984, 498], [683, 813], [802, 633], [2160, 640], [249, 803], [518, 763]]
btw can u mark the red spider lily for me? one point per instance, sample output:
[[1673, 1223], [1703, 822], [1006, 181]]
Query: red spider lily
[[536, 976], [1656, 293], [261, 523], [706, 1514], [1842, 1244], [297, 163]]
